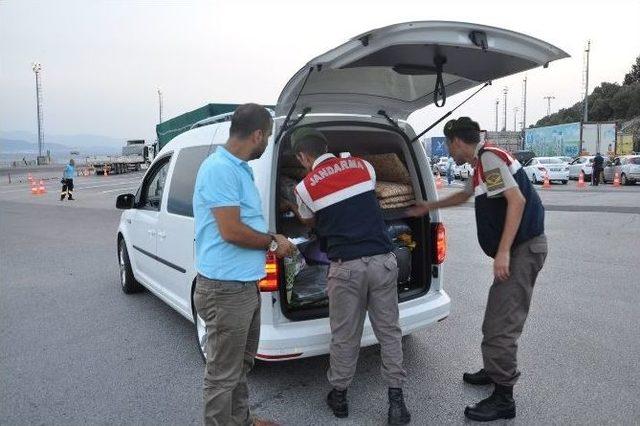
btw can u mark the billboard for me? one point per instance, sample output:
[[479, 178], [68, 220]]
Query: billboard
[[439, 146], [624, 144], [550, 141]]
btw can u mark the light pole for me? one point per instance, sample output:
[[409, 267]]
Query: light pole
[[159, 105], [497, 110], [548, 98], [37, 67], [505, 91]]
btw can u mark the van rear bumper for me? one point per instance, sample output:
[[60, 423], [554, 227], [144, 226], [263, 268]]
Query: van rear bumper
[[302, 339]]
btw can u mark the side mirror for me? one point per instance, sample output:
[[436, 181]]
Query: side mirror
[[125, 201]]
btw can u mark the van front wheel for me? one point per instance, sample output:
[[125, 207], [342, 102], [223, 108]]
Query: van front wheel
[[127, 280]]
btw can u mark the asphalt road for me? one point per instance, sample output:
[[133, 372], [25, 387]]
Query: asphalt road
[[75, 350]]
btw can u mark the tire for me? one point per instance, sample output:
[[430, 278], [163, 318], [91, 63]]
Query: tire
[[200, 329], [623, 180], [564, 182], [534, 179], [127, 280]]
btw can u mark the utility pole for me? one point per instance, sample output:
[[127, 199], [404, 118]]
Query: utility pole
[[515, 118], [159, 105], [497, 111], [524, 103], [548, 98], [37, 67], [586, 83], [505, 91]]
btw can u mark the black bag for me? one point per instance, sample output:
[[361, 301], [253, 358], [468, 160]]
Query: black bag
[[403, 256]]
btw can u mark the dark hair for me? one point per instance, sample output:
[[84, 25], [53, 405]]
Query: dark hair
[[467, 136], [311, 146], [464, 128], [248, 118]]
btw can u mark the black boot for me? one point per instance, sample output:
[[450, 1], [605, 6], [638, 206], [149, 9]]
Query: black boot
[[398, 413], [500, 405], [337, 400], [477, 378]]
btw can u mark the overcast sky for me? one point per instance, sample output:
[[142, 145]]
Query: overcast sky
[[103, 61]]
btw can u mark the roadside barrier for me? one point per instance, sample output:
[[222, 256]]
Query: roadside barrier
[[581, 183]]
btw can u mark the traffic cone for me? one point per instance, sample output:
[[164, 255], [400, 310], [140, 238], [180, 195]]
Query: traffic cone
[[439, 183], [546, 184], [616, 179], [30, 178], [581, 183], [41, 188], [34, 188]]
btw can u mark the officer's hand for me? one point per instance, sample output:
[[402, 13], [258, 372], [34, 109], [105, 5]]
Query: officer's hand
[[419, 209], [285, 247], [501, 266]]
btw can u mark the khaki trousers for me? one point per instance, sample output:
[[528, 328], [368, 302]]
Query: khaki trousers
[[507, 310], [231, 310], [355, 287]]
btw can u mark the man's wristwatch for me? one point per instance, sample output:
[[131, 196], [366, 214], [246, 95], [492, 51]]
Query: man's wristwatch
[[273, 246]]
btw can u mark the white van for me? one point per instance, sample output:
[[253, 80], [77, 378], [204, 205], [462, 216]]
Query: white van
[[359, 95]]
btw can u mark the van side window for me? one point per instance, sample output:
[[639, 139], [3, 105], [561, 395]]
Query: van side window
[[153, 186], [184, 178]]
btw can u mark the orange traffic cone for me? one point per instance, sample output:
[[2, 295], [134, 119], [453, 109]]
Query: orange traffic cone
[[34, 188], [41, 188], [546, 184], [616, 179], [581, 183], [439, 182]]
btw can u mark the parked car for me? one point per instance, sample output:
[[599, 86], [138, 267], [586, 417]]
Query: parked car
[[538, 167], [582, 164], [627, 167], [523, 156], [464, 171], [441, 166], [342, 93]]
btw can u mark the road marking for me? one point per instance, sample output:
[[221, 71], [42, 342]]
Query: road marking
[[118, 189]]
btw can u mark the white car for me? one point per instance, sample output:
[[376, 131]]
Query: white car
[[539, 167], [441, 166], [360, 95], [582, 164], [627, 167], [464, 171]]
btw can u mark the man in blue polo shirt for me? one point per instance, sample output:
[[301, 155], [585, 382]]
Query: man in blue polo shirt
[[510, 221], [231, 241]]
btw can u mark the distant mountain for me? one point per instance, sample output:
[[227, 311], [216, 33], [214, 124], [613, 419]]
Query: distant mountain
[[18, 148], [77, 142]]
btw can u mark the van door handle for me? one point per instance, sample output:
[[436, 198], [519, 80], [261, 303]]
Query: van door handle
[[162, 234]]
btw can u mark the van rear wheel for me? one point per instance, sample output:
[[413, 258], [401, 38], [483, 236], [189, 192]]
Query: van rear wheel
[[201, 333]]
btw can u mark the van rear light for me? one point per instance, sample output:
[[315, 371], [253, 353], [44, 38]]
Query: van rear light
[[270, 282], [439, 243]]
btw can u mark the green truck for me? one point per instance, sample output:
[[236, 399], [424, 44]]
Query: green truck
[[171, 128]]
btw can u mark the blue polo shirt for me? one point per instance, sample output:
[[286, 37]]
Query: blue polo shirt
[[69, 172], [224, 181]]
